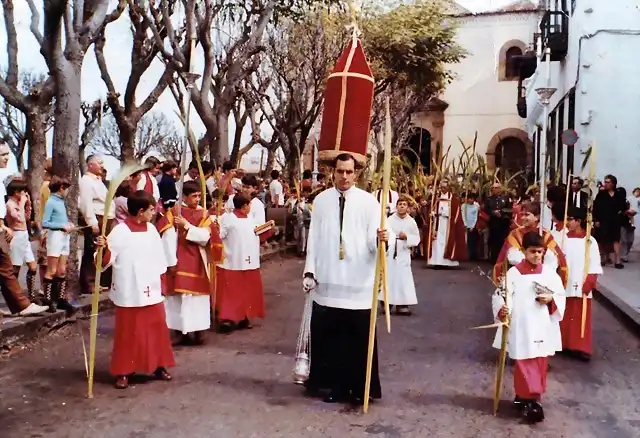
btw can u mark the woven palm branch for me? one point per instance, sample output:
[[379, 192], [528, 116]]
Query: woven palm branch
[[125, 173]]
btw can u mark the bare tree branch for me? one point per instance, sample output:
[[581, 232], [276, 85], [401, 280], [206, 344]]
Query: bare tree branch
[[155, 133]]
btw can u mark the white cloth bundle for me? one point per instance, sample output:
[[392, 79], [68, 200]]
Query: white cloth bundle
[[303, 349]]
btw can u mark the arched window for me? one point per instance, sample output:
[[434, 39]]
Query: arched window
[[510, 65]]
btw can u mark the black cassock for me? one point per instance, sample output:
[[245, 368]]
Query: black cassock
[[339, 344]]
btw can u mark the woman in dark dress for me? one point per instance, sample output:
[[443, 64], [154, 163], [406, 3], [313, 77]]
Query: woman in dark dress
[[608, 210]]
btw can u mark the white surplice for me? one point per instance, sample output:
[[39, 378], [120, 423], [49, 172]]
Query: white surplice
[[558, 235], [138, 262], [575, 251], [439, 238], [391, 200], [187, 313], [241, 245], [347, 283], [532, 328], [257, 211], [402, 289]]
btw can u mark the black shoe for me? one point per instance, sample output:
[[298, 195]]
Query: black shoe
[[65, 305], [619, 266], [582, 356], [226, 327], [533, 412], [334, 397], [519, 403]]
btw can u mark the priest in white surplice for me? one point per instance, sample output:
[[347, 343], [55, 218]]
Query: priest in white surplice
[[341, 258], [533, 315], [448, 246], [402, 290]]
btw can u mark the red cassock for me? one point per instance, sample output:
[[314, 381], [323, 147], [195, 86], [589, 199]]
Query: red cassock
[[239, 292], [571, 324], [141, 341], [190, 274], [530, 377], [348, 99]]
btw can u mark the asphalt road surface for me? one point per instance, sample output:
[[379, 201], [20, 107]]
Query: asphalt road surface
[[437, 379]]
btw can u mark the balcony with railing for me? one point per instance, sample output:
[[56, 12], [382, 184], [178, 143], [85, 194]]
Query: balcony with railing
[[554, 33]]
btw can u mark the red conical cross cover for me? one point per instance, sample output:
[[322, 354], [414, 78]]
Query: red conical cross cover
[[346, 116]]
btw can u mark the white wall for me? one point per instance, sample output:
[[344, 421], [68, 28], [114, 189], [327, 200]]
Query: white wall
[[601, 64], [477, 100]]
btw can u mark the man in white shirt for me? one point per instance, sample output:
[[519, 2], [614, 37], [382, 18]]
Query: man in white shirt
[[276, 190], [93, 195], [9, 286]]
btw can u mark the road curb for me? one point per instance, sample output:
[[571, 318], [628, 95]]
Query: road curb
[[21, 330], [623, 311]]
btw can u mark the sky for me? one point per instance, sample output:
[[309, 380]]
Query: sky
[[117, 52]]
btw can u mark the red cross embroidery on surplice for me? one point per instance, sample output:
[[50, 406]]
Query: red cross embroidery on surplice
[[248, 259], [148, 291]]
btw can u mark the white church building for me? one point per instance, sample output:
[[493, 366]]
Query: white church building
[[596, 73], [483, 97]]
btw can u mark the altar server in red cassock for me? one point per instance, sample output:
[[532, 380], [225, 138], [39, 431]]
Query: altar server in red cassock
[[449, 245], [141, 337], [186, 240], [533, 313], [579, 285], [239, 284]]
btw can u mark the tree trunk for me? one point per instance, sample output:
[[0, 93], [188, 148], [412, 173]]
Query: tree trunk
[[127, 140], [220, 153], [236, 154], [36, 124], [66, 139], [271, 160]]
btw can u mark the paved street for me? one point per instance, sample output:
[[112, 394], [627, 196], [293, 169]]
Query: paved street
[[437, 379]]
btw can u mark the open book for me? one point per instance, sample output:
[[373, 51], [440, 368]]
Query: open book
[[260, 229]]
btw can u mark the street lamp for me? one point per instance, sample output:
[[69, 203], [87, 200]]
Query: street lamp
[[544, 94]]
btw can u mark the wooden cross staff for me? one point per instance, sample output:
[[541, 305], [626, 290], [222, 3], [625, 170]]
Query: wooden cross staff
[[587, 252], [381, 263]]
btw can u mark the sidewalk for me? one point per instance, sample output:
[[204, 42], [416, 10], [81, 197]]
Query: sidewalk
[[15, 330], [620, 288]]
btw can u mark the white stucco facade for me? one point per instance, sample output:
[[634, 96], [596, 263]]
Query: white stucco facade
[[479, 99], [600, 75]]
